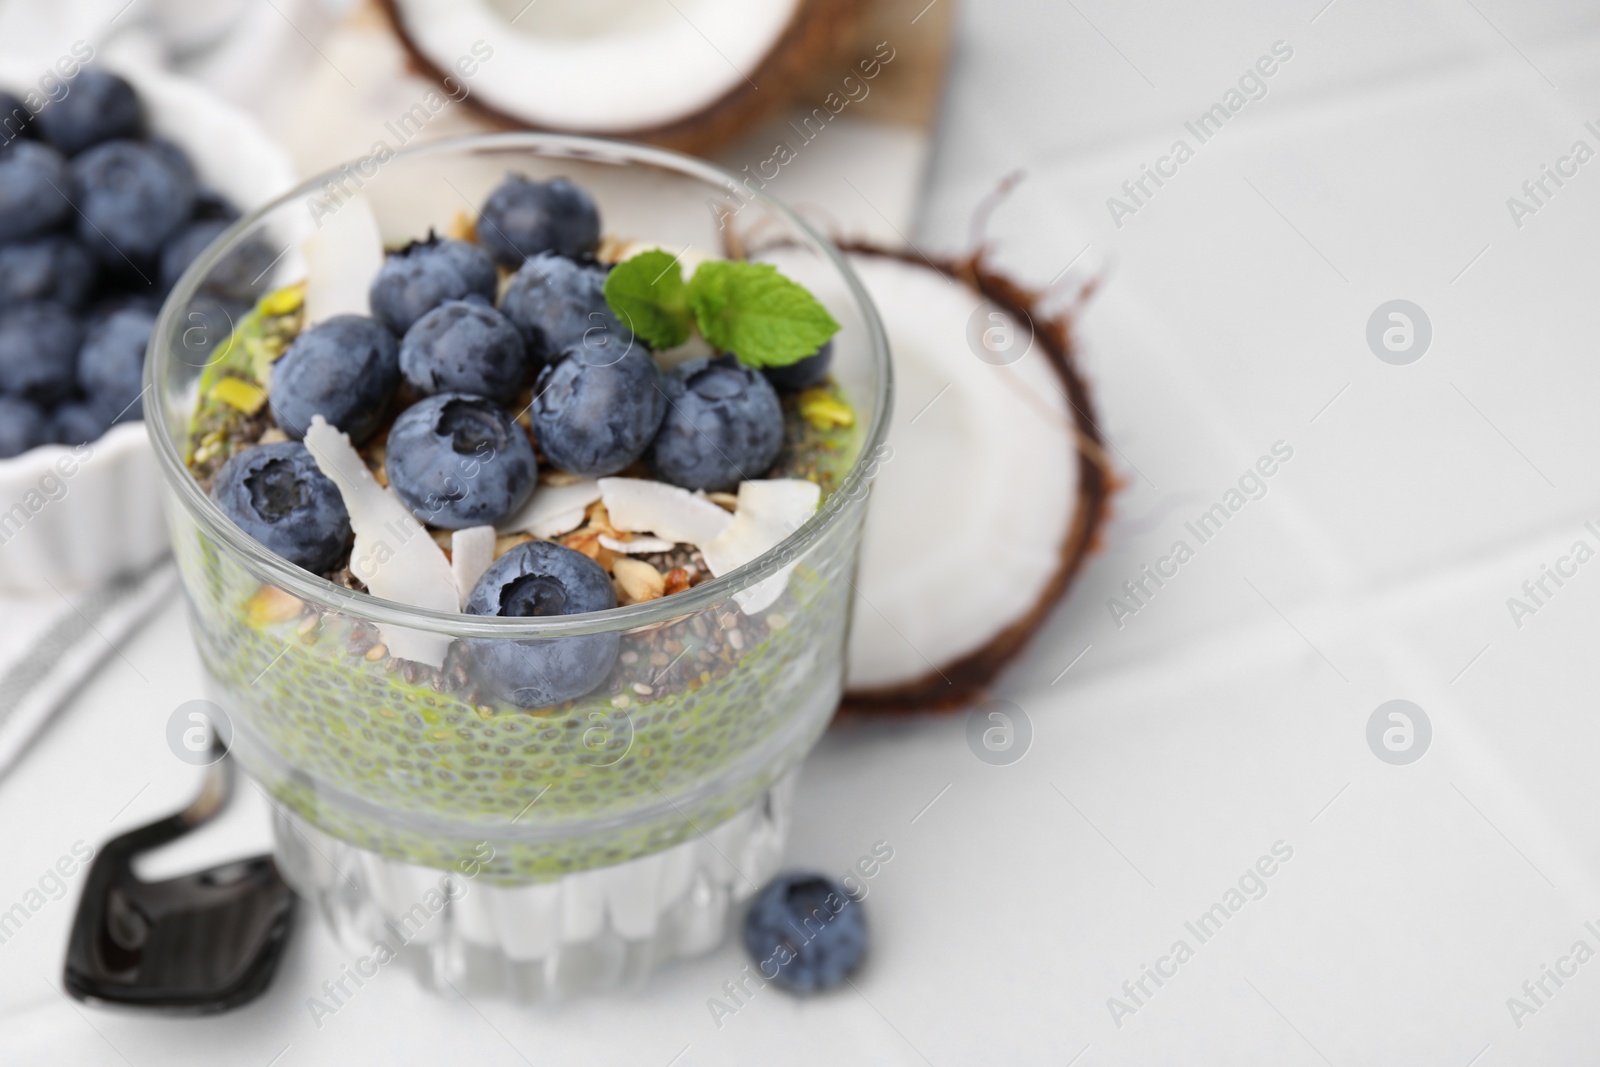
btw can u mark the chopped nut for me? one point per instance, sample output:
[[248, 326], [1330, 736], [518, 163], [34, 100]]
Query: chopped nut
[[271, 604], [600, 519], [637, 579], [238, 393], [824, 411], [726, 501], [273, 436], [555, 477], [283, 301], [505, 544], [463, 227], [677, 581], [585, 540], [612, 248], [377, 652]]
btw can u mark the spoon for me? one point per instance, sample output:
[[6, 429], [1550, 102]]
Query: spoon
[[195, 944]]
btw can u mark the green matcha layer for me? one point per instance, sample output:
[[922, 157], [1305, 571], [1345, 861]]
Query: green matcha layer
[[697, 718]]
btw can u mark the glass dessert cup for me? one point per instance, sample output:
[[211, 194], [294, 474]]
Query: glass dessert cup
[[486, 846]]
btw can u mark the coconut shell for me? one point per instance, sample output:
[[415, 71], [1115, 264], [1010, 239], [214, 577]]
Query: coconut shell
[[817, 35], [961, 683]]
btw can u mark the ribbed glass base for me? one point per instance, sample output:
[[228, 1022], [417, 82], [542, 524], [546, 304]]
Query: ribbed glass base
[[585, 932]]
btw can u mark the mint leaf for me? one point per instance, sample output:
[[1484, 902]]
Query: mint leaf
[[756, 313], [648, 296]]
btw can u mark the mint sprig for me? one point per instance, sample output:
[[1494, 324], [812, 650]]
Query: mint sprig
[[648, 295], [748, 309]]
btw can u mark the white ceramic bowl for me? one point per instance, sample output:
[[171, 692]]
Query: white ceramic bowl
[[71, 518]]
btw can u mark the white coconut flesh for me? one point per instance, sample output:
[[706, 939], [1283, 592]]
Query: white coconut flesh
[[471, 552], [602, 66], [341, 258], [767, 513], [969, 517], [635, 505], [393, 553], [554, 510]]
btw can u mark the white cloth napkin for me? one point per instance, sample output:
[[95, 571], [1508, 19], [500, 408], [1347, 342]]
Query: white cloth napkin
[[51, 642]]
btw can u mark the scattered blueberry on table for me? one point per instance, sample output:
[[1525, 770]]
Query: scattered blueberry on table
[[805, 933]]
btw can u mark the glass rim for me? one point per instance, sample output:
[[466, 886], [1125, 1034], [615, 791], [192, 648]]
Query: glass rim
[[315, 589]]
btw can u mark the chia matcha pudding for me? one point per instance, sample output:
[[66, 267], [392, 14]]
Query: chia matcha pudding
[[537, 566]]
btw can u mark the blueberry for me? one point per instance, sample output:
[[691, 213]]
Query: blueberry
[[77, 422], [39, 352], [804, 932], [175, 157], [111, 364], [53, 267], [424, 274], [810, 371], [345, 369], [542, 578], [597, 418], [22, 426], [237, 274], [131, 198], [210, 204], [523, 218], [278, 495], [99, 106], [457, 461], [561, 305], [460, 347], [723, 425], [111, 299], [15, 119], [34, 183]]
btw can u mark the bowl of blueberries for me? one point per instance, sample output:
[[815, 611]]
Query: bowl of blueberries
[[107, 192]]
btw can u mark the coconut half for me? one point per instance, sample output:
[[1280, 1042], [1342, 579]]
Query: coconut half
[[992, 491], [689, 74]]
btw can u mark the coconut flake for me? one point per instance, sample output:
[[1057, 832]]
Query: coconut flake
[[471, 552], [342, 256], [553, 510], [393, 553], [641, 545], [768, 512], [636, 505]]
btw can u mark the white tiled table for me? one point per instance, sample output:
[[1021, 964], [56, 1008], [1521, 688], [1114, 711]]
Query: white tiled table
[[1228, 715]]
